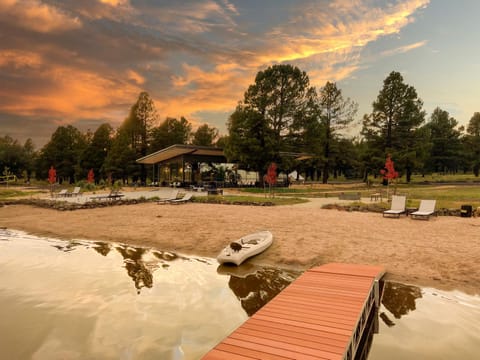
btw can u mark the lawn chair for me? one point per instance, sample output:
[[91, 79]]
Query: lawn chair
[[76, 191], [62, 193], [171, 197], [186, 198], [426, 209], [397, 208]]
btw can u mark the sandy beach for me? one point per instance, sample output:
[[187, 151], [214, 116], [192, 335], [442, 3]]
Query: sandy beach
[[443, 252]]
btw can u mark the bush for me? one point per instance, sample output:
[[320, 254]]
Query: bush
[[85, 185]]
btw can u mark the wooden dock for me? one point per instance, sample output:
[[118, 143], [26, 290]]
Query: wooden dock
[[321, 315]]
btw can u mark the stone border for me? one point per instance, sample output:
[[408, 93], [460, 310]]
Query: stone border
[[70, 206]]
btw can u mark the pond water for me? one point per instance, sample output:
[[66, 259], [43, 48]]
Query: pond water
[[95, 300]]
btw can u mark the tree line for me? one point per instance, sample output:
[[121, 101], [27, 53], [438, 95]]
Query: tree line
[[281, 119], [111, 153]]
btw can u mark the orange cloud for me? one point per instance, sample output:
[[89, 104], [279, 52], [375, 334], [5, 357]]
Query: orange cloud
[[328, 47], [218, 90], [37, 16], [325, 41], [347, 26], [18, 59], [114, 2], [135, 77], [71, 93]]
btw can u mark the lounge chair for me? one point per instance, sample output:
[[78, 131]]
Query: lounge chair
[[171, 197], [75, 192], [187, 197], [397, 208], [62, 193], [426, 209]]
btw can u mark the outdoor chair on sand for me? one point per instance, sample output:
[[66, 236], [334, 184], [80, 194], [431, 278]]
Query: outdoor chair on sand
[[75, 192], [172, 196], [62, 193], [187, 197], [397, 208], [426, 209]]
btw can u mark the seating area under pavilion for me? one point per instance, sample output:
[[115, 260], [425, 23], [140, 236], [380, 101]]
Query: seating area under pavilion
[[180, 164]]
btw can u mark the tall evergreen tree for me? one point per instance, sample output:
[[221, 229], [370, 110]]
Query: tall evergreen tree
[[11, 156], [260, 126], [250, 140], [96, 152], [120, 162], [205, 135], [137, 126], [30, 156], [445, 142], [63, 151], [473, 142], [170, 132], [392, 126], [335, 113]]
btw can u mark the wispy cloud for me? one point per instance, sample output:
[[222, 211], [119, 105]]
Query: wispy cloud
[[90, 59], [404, 49]]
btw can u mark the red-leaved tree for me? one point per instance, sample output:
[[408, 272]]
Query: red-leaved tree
[[52, 175], [90, 176], [52, 178], [388, 171], [271, 177]]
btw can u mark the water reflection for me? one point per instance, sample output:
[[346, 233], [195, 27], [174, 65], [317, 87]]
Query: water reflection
[[60, 299], [140, 263], [429, 324], [399, 300], [67, 246], [102, 248], [136, 267], [256, 286]]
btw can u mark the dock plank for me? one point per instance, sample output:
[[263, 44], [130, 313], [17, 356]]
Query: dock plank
[[318, 316]]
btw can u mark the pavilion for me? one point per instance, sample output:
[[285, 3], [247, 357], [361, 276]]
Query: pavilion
[[181, 163]]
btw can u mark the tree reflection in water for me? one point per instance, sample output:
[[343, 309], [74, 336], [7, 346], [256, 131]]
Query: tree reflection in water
[[399, 299], [139, 262], [102, 248], [69, 246], [136, 267], [256, 289]]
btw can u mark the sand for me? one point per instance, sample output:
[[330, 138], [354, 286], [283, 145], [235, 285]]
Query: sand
[[443, 252]]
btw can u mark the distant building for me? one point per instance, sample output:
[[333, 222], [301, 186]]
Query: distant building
[[182, 163]]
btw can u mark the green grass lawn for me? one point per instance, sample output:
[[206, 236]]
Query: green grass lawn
[[278, 200], [463, 190], [447, 196], [9, 193]]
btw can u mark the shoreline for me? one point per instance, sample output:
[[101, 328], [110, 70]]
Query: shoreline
[[441, 253]]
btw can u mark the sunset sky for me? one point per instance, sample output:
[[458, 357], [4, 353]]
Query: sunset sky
[[85, 62]]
